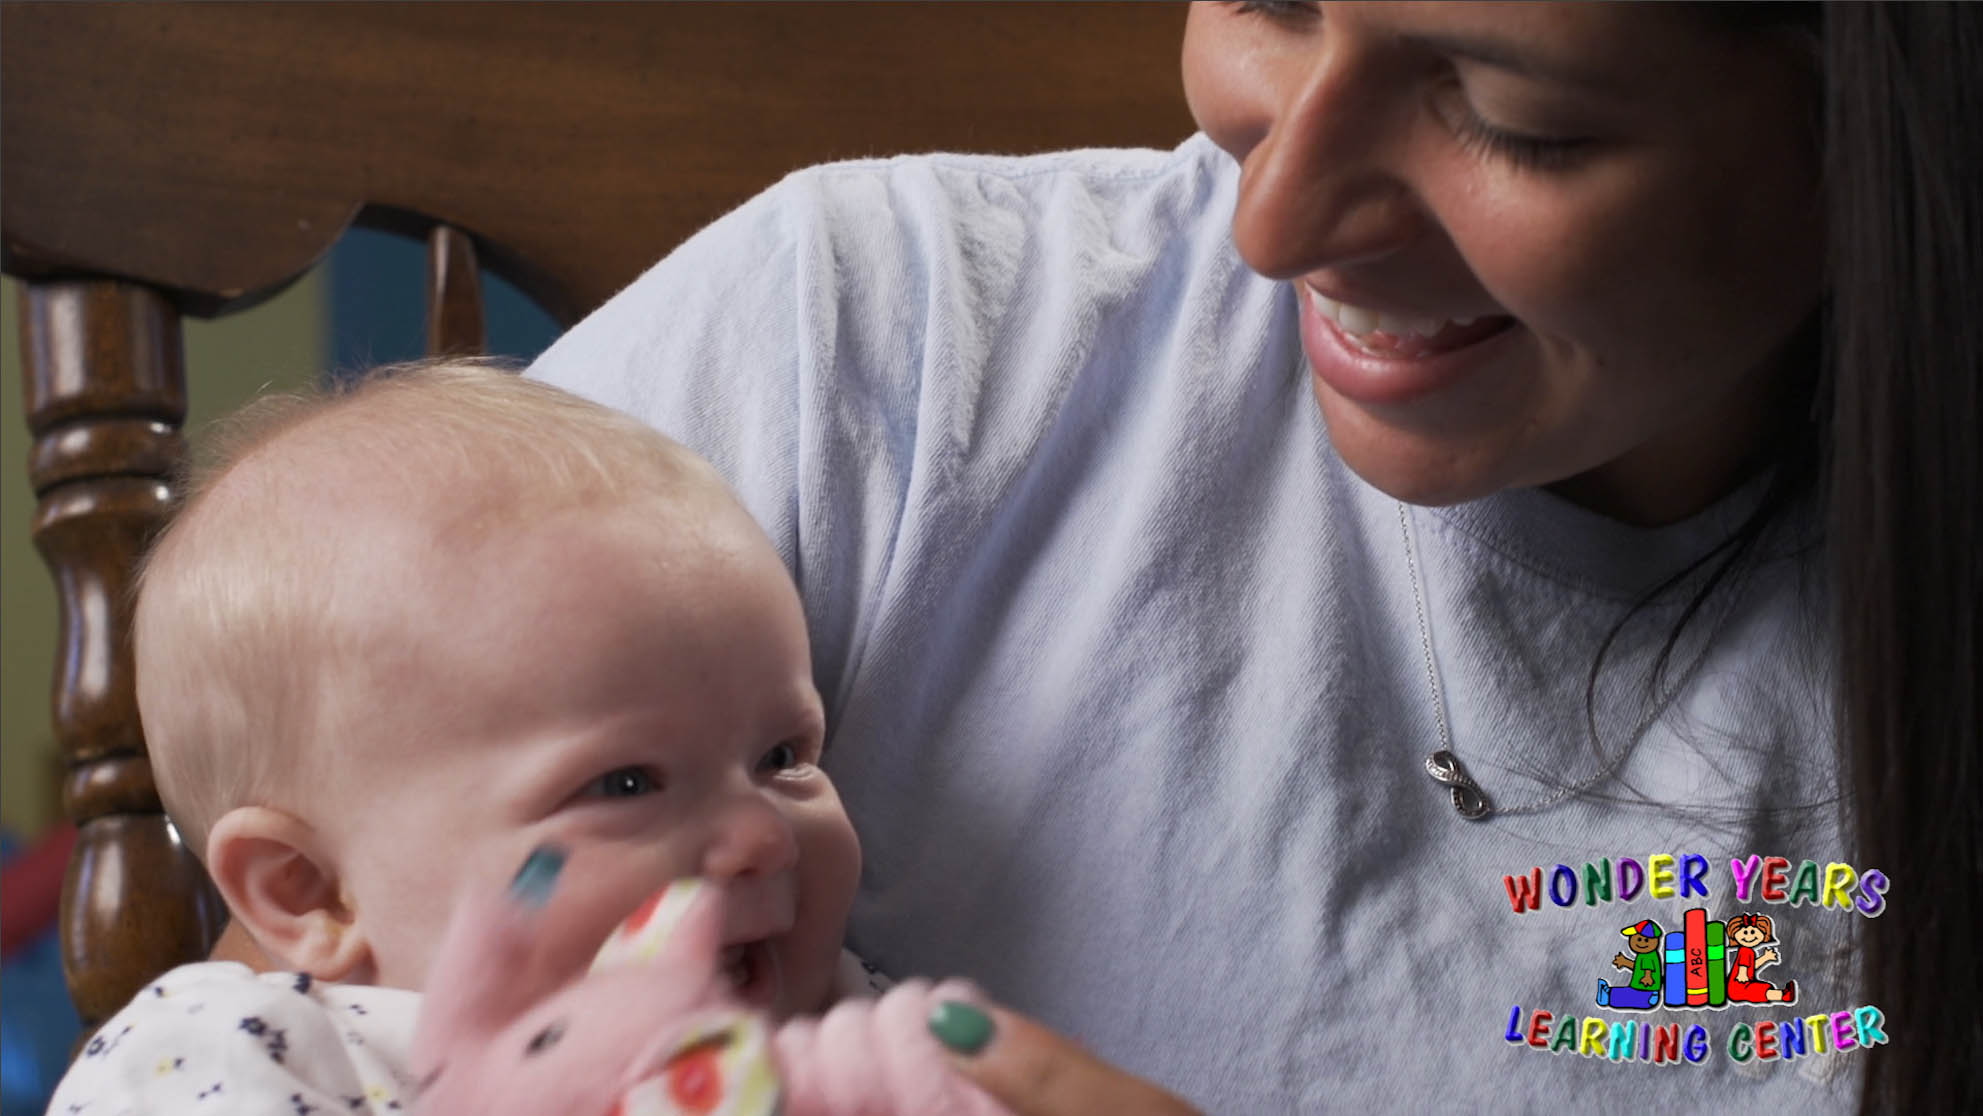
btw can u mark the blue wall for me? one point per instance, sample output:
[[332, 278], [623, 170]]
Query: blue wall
[[378, 296]]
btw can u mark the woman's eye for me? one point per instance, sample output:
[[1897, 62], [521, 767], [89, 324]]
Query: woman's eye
[[783, 756], [1524, 152], [625, 782], [1283, 11]]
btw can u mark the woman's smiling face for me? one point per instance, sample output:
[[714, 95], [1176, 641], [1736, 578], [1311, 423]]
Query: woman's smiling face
[[1535, 244]]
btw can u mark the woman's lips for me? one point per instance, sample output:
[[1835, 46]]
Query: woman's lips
[[1408, 367]]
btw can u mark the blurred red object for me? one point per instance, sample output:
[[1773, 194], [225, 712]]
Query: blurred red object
[[31, 889]]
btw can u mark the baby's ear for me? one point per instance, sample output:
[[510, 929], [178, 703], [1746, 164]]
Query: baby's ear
[[274, 872]]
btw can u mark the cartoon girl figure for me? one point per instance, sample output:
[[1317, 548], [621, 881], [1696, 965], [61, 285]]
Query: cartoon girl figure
[[1747, 932]]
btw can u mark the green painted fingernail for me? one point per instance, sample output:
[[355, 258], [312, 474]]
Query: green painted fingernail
[[960, 1026], [538, 876]]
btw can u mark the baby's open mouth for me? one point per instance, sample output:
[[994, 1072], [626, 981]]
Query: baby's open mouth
[[752, 970]]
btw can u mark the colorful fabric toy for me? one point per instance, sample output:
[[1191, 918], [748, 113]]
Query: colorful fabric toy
[[653, 1028]]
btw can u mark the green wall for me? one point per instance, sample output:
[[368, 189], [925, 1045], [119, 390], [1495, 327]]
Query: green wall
[[279, 344]]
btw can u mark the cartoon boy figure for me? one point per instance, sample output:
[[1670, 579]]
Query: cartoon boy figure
[[1643, 991], [1747, 932]]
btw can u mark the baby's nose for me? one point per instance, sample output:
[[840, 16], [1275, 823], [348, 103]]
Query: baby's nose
[[749, 836]]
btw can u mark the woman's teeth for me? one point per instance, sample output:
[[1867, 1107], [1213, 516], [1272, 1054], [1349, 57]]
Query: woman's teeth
[[1358, 322], [1386, 334]]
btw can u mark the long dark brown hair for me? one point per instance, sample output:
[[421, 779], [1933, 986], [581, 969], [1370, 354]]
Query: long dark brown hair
[[1904, 356], [1888, 433]]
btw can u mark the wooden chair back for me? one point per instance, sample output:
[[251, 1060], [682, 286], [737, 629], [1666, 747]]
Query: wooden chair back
[[172, 159]]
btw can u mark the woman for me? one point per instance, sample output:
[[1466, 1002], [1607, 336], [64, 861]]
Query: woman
[[1227, 567]]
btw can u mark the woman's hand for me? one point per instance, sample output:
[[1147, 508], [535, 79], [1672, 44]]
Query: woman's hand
[[1035, 1072]]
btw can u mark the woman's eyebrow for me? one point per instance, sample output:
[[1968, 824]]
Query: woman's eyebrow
[[1507, 56]]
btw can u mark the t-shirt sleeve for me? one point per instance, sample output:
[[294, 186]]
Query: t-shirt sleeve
[[902, 366], [783, 344], [221, 1042], [706, 347]]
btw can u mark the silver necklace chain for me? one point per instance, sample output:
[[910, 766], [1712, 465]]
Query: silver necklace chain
[[1469, 799]]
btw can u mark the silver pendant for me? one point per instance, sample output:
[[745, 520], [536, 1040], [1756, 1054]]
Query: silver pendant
[[1468, 798]]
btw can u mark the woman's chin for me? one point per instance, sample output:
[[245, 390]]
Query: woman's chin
[[1407, 466]]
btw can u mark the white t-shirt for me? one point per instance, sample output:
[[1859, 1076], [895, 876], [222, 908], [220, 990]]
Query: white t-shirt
[[1126, 683]]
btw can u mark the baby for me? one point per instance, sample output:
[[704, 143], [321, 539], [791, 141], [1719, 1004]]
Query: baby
[[401, 636]]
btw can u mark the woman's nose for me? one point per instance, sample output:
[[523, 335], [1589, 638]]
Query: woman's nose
[[749, 836], [1325, 185]]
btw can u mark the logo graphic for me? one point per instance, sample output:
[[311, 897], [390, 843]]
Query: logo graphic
[[1692, 966], [1701, 965]]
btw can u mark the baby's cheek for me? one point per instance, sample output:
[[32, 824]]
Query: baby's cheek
[[404, 936], [583, 917], [830, 857]]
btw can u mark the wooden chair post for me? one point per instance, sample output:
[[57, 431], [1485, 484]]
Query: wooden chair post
[[454, 294], [106, 394]]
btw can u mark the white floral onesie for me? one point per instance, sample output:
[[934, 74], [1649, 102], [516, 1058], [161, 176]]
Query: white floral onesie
[[215, 1038]]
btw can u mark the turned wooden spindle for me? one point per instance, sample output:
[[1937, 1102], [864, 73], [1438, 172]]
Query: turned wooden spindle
[[454, 294], [106, 394]]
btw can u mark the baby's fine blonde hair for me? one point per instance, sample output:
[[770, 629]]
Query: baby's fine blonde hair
[[247, 609]]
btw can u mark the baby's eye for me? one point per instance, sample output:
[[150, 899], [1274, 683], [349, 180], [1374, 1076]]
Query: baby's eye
[[782, 756], [625, 782]]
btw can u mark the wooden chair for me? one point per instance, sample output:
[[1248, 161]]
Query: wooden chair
[[162, 160]]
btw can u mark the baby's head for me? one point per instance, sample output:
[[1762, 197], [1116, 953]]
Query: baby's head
[[402, 635]]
